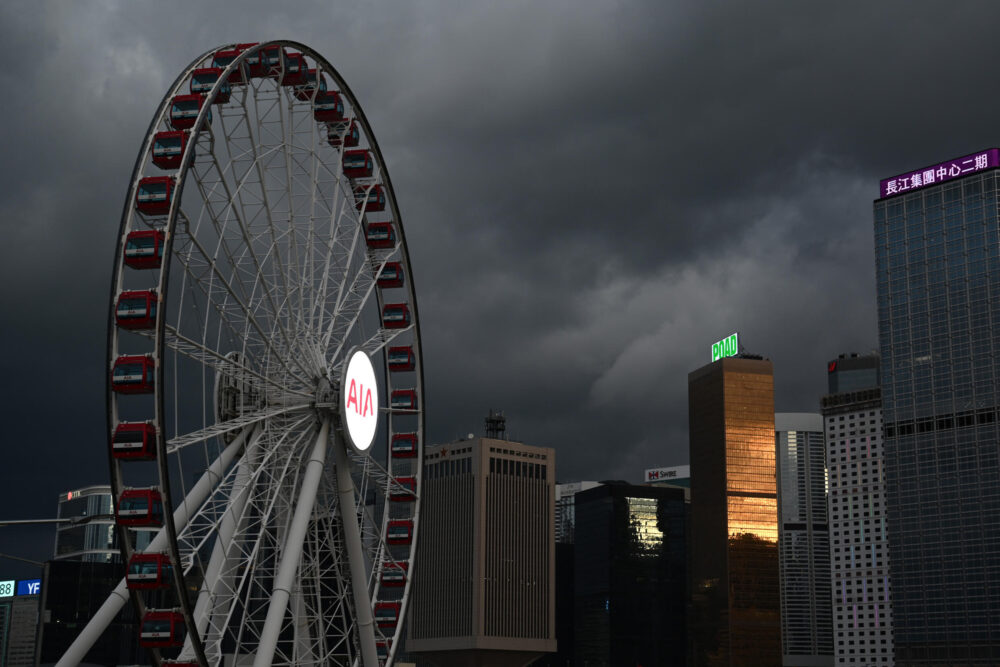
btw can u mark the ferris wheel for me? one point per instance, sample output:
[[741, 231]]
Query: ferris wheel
[[265, 394]]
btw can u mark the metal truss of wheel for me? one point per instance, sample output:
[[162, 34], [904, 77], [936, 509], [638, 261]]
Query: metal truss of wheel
[[260, 244]]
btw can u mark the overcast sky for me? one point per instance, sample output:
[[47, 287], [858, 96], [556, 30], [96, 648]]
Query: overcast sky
[[593, 193]]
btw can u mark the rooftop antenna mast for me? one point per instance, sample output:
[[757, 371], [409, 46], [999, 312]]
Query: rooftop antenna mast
[[496, 425]]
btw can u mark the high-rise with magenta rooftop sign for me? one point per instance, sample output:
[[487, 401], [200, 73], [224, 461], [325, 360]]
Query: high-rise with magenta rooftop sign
[[938, 283]]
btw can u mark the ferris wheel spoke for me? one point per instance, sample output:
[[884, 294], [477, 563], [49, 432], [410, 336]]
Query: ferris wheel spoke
[[349, 310], [331, 246], [217, 201], [221, 364], [257, 159], [179, 442], [251, 319]]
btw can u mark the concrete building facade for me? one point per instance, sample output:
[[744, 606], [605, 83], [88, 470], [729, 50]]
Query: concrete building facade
[[860, 584], [485, 592]]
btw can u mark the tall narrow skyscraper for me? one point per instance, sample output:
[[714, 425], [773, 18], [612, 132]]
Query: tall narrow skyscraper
[[804, 541], [862, 589], [938, 279], [734, 617]]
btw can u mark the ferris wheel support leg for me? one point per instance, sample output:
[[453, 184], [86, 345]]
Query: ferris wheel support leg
[[355, 555], [291, 554], [303, 638], [218, 574], [195, 499]]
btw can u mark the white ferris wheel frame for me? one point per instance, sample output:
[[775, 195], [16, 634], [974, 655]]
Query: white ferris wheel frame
[[280, 446]]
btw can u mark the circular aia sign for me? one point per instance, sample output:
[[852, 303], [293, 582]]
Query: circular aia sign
[[359, 401]]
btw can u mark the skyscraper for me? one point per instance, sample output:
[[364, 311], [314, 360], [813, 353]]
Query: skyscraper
[[938, 282], [803, 541], [734, 617], [861, 587], [631, 575], [92, 537], [485, 589], [566, 508]]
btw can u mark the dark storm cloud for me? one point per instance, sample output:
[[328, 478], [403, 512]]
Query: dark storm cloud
[[592, 194]]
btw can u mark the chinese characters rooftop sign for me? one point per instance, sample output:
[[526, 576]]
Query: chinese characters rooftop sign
[[939, 173]]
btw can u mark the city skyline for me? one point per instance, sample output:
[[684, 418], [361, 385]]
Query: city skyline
[[588, 289]]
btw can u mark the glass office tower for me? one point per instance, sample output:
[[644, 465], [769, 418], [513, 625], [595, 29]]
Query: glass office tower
[[938, 282], [804, 541], [630, 576], [734, 617]]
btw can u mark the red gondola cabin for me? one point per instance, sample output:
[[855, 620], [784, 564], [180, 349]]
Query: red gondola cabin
[[395, 316], [369, 199], [266, 61], [304, 91], [184, 110], [328, 107], [403, 399], [162, 629], [382, 649], [399, 532], [136, 310], [134, 440], [149, 571], [144, 249], [394, 575], [295, 70], [140, 507], [380, 235], [224, 57], [203, 80], [168, 148], [386, 614], [391, 275], [404, 445], [401, 358], [358, 164], [341, 133], [133, 374], [152, 196], [404, 490]]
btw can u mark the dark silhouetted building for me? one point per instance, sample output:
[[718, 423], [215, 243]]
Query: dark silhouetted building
[[859, 540], [485, 589], [72, 591], [630, 576], [803, 541], [566, 508], [18, 621], [734, 614], [937, 256]]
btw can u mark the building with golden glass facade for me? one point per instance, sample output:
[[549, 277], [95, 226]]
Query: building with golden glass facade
[[734, 615]]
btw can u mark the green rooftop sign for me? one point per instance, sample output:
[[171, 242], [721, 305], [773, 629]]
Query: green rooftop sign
[[727, 347]]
